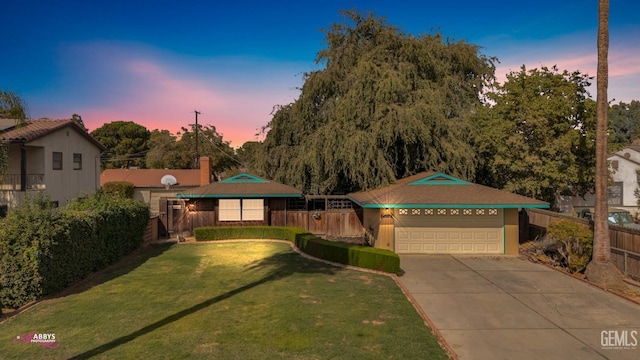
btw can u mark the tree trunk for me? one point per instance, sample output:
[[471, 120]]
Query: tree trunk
[[600, 270]]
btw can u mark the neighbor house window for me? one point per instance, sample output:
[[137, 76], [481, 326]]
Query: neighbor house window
[[57, 160], [241, 210], [614, 193], [77, 161]]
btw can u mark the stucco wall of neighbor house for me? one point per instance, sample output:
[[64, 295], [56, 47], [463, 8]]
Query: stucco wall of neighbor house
[[66, 184], [511, 232], [381, 228], [626, 174]]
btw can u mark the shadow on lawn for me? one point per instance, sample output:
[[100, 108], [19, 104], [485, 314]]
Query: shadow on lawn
[[275, 267], [124, 266]]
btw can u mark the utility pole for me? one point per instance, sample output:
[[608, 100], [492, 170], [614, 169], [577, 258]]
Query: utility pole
[[197, 151]]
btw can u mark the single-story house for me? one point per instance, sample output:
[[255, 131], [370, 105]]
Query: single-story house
[[243, 199], [436, 213], [154, 185]]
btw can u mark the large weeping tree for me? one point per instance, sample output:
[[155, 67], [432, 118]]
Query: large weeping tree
[[385, 105], [600, 269]]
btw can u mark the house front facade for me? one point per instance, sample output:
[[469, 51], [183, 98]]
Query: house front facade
[[57, 157], [243, 199]]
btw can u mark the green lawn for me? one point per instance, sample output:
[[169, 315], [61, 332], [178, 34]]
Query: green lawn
[[242, 300]]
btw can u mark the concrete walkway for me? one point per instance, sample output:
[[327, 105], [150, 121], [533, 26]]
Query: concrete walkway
[[510, 308]]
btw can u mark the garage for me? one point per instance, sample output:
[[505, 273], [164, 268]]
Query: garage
[[449, 231], [435, 213]]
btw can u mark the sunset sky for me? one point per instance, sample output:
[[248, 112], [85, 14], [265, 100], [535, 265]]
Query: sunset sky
[[155, 62]]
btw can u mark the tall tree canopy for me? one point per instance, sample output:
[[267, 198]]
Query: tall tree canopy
[[166, 151], [538, 138], [385, 106], [12, 106], [624, 124], [126, 144]]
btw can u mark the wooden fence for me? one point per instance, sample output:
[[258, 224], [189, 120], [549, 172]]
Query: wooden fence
[[339, 222], [625, 242]]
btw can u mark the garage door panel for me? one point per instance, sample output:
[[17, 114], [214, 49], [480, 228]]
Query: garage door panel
[[449, 240]]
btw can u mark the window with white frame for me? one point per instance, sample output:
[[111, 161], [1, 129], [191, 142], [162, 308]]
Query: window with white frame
[[229, 210], [252, 209], [241, 210]]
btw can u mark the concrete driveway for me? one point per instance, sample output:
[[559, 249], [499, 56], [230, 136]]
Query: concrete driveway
[[510, 308]]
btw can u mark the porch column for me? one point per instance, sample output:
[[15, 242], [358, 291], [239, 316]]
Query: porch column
[[23, 167]]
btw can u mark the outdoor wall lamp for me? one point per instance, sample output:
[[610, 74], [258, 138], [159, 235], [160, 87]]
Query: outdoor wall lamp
[[386, 213]]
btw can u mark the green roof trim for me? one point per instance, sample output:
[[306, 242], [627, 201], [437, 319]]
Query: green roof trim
[[452, 206], [440, 179], [243, 179], [236, 196]]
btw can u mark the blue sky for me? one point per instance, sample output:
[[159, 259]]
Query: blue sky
[[155, 62]]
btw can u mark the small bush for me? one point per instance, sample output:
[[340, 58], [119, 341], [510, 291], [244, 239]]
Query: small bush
[[121, 189], [572, 244], [348, 254]]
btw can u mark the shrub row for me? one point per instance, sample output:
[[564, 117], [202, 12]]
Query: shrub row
[[348, 254], [42, 250]]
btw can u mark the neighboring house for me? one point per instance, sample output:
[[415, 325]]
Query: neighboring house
[[243, 199], [149, 186], [624, 167], [440, 214], [55, 156], [624, 170]]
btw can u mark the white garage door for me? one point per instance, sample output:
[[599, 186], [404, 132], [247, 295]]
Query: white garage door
[[449, 231]]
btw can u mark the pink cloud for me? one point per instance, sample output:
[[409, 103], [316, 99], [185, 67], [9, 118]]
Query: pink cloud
[[164, 94]]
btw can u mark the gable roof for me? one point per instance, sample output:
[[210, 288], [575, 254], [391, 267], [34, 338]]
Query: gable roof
[[36, 129], [438, 190], [242, 186], [151, 177]]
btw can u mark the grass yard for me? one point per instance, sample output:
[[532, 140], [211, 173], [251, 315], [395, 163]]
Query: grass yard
[[241, 300]]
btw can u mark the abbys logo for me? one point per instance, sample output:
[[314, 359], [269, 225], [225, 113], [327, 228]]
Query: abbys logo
[[619, 339], [46, 340]]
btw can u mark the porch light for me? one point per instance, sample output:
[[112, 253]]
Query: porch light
[[386, 213]]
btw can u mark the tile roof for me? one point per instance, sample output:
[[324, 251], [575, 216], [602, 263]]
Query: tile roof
[[431, 189], [151, 177], [242, 186], [35, 129]]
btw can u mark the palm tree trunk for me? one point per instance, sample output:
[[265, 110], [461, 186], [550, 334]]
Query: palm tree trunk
[[600, 270], [601, 241]]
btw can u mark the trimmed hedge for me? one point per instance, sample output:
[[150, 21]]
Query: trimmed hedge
[[42, 250], [343, 253]]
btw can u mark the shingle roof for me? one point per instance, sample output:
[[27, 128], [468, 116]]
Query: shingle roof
[[242, 186], [35, 129], [431, 189], [151, 177]]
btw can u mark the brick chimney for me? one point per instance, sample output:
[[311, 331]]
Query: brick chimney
[[205, 171]]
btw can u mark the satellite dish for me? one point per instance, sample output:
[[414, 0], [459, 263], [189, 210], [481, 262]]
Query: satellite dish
[[168, 180]]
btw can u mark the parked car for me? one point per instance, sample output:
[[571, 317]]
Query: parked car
[[615, 216]]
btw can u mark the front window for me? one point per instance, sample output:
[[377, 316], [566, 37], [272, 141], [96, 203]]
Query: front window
[[229, 210], [241, 210]]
